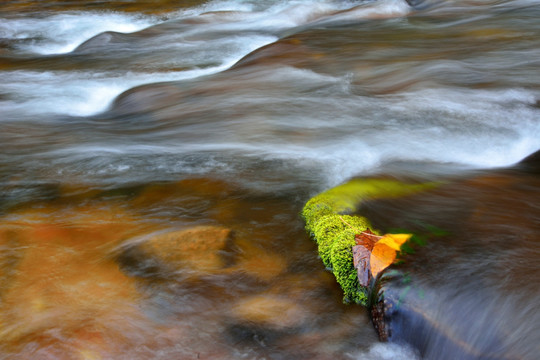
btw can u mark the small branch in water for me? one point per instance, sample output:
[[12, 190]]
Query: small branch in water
[[367, 239]]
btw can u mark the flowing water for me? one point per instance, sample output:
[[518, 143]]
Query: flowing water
[[127, 121]]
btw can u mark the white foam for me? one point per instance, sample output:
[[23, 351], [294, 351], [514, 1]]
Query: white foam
[[345, 134], [76, 94], [288, 14], [487, 128], [273, 6], [324, 126], [268, 16], [85, 93], [62, 33], [380, 9], [476, 128], [387, 351], [472, 127]]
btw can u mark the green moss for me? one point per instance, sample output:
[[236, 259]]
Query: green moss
[[344, 271], [334, 232], [330, 228]]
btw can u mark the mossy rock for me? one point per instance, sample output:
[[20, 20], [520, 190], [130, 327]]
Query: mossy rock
[[330, 228], [334, 231]]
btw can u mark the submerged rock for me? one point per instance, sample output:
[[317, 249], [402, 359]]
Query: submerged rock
[[61, 291], [472, 287], [107, 38], [269, 310], [531, 163], [258, 262], [199, 248]]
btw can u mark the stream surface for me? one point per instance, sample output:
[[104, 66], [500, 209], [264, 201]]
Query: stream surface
[[127, 121]]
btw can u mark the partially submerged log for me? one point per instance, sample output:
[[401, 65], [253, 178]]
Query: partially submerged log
[[470, 291], [334, 231]]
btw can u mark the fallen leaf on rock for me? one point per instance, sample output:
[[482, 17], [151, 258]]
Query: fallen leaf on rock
[[385, 250], [373, 253]]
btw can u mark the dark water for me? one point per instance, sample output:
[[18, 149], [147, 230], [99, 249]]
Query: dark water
[[470, 286], [125, 121]]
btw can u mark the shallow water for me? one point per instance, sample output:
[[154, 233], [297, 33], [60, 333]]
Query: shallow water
[[123, 121]]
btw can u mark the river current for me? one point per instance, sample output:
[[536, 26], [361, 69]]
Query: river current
[[121, 120]]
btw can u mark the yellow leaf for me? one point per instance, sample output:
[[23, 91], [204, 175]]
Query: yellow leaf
[[385, 250]]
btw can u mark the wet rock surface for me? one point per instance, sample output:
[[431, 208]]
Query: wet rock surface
[[58, 282], [197, 248], [475, 278], [272, 311]]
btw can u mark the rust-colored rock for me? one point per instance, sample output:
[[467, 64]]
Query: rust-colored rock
[[198, 248], [258, 262], [58, 282], [60, 288], [269, 310]]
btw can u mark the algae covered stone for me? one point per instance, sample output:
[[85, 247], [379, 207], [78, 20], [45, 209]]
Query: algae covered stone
[[334, 231], [329, 228]]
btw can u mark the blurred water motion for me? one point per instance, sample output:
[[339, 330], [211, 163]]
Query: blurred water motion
[[130, 127], [78, 284], [470, 286]]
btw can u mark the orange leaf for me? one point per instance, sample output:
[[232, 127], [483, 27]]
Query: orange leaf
[[385, 250]]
